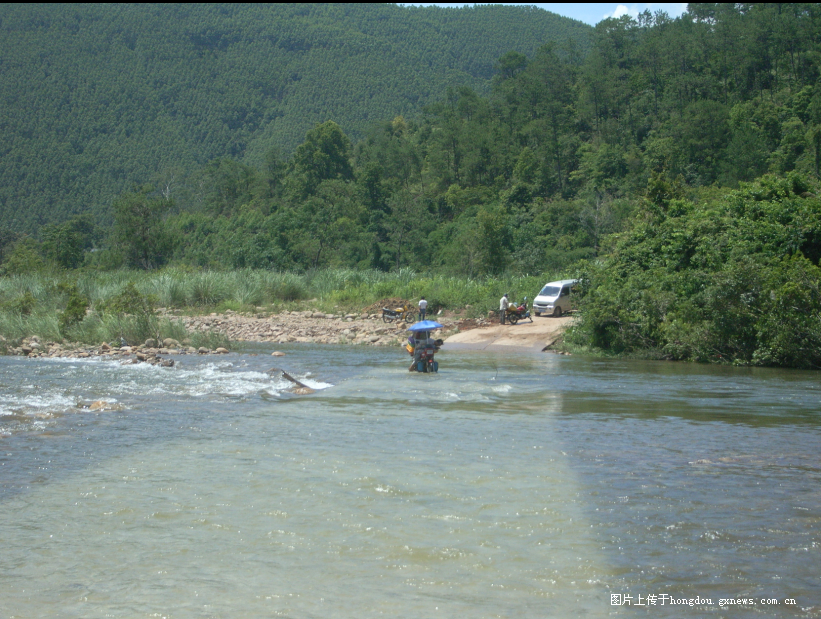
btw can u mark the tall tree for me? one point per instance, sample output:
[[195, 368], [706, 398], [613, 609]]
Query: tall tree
[[324, 155], [139, 232]]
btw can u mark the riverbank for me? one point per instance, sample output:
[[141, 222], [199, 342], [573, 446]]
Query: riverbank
[[151, 351], [316, 327], [313, 327], [543, 334], [309, 327]]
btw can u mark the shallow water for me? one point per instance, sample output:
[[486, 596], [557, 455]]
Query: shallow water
[[505, 486]]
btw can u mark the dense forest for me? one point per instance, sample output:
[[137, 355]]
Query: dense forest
[[673, 164], [97, 97]]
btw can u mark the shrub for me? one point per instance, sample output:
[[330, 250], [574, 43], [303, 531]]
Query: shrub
[[129, 301], [75, 310], [22, 305]]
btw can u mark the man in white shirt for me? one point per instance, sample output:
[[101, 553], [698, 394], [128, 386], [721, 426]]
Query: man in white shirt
[[423, 308], [503, 303]]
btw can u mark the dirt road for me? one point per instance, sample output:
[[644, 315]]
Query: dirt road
[[538, 335]]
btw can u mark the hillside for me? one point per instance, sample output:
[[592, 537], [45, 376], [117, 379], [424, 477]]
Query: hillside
[[96, 98]]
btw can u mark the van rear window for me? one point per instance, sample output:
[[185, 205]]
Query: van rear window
[[549, 291]]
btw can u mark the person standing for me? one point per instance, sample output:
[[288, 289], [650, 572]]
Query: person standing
[[503, 304], [423, 308]]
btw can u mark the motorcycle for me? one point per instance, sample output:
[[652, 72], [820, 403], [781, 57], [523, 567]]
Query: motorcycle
[[405, 313], [425, 361], [514, 314]]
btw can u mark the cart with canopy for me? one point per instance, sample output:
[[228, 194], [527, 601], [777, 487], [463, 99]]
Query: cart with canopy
[[422, 347]]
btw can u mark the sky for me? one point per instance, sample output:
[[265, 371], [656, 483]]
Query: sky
[[594, 12]]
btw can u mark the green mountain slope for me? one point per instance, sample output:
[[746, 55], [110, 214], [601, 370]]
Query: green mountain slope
[[95, 98]]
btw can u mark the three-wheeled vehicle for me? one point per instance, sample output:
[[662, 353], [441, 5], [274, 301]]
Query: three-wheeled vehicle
[[422, 347]]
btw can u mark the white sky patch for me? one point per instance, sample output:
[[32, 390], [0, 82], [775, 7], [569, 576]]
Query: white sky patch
[[588, 12], [633, 10], [620, 10]]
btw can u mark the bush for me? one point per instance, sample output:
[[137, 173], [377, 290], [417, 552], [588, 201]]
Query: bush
[[129, 301], [75, 310], [22, 305], [23, 258], [733, 280]]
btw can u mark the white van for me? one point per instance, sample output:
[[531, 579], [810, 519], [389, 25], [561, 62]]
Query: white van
[[554, 298]]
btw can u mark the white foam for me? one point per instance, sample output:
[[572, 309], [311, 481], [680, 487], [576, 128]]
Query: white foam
[[212, 378], [315, 384], [35, 405]]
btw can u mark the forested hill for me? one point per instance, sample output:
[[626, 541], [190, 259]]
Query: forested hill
[[97, 97]]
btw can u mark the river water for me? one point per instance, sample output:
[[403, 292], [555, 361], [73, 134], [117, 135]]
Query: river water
[[508, 485]]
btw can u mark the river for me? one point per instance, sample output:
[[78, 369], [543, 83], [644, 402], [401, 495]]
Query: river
[[508, 485]]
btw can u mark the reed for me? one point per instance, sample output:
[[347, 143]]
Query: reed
[[15, 326], [195, 291]]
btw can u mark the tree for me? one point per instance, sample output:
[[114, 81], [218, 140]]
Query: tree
[[66, 243], [24, 257], [228, 185], [7, 240], [324, 155], [598, 219], [406, 222], [330, 219], [493, 239], [139, 230], [275, 169]]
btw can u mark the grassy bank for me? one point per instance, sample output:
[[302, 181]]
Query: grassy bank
[[97, 328], [121, 303], [243, 290]]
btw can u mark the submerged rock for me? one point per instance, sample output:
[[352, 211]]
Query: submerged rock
[[102, 405], [302, 390]]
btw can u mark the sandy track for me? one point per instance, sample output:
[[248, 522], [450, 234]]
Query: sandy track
[[538, 335]]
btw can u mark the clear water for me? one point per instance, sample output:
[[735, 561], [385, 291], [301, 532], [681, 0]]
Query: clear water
[[505, 486]]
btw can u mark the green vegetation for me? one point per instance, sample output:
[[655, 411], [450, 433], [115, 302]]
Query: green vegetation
[[134, 293], [89, 309], [94, 307], [95, 99], [75, 310], [733, 280], [673, 163]]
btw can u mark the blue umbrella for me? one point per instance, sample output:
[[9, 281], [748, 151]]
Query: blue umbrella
[[425, 325]]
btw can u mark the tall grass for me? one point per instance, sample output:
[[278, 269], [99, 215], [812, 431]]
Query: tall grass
[[329, 289], [14, 326], [169, 289], [180, 288]]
